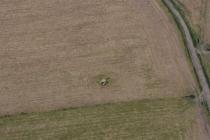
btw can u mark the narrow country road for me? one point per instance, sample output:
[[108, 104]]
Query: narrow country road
[[192, 51], [202, 120]]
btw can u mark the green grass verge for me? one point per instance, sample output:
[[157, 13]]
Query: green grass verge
[[206, 111], [143, 120], [205, 58]]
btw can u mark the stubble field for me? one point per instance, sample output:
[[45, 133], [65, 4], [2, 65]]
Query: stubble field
[[207, 21], [53, 52]]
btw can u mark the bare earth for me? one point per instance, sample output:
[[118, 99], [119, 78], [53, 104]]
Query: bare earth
[[52, 52]]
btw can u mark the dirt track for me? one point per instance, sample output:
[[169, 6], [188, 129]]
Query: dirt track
[[198, 68], [195, 60]]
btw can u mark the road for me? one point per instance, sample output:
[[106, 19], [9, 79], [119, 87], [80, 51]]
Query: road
[[192, 51], [203, 123]]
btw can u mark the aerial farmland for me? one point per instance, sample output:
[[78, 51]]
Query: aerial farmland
[[96, 69]]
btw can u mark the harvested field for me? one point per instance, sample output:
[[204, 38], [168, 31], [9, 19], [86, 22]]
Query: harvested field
[[53, 52], [207, 23], [169, 119]]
